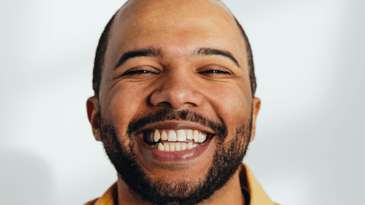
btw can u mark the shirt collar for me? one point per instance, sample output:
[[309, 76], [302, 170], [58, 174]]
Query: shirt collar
[[253, 192], [256, 194]]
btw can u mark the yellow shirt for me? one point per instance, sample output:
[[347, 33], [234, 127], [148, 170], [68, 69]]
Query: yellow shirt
[[253, 192]]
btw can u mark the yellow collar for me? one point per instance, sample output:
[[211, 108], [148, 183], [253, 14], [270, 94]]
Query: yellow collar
[[256, 195]]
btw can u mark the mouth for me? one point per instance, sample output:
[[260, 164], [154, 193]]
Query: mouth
[[174, 141]]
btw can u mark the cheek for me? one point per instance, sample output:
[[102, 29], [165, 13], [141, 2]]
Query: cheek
[[124, 104], [232, 105]]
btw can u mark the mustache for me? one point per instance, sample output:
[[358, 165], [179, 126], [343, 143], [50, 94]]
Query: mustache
[[184, 115]]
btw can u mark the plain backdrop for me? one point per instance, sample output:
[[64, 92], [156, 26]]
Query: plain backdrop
[[309, 58]]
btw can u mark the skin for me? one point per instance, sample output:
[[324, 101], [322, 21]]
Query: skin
[[177, 80]]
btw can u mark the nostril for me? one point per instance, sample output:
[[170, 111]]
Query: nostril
[[165, 104], [176, 100], [175, 91]]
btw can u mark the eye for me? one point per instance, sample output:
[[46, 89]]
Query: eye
[[214, 71], [136, 72], [140, 72]]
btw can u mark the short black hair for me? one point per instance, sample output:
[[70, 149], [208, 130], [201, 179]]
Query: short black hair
[[103, 44], [100, 57], [251, 66]]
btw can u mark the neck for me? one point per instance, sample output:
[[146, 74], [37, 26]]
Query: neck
[[230, 193]]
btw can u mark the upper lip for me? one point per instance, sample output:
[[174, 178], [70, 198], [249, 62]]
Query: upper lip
[[176, 125]]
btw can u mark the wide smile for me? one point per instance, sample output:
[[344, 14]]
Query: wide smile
[[175, 141]]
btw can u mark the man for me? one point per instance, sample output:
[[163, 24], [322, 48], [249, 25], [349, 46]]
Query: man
[[174, 104]]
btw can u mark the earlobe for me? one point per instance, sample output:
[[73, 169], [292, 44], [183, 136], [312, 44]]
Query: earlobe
[[92, 106], [256, 104]]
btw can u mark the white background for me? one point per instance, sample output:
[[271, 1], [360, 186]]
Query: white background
[[309, 57]]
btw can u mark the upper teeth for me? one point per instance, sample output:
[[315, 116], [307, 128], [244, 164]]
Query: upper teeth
[[177, 135]]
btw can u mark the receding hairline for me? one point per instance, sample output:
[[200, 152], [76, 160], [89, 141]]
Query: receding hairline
[[129, 2], [117, 18], [99, 63]]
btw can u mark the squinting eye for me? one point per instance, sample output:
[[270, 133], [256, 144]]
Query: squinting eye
[[215, 72], [137, 72]]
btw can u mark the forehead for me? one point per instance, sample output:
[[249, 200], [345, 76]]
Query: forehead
[[176, 27]]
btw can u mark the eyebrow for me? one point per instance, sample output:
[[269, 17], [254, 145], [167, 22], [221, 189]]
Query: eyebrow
[[157, 52], [212, 51], [150, 52]]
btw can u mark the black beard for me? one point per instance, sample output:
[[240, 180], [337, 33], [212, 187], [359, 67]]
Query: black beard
[[226, 160]]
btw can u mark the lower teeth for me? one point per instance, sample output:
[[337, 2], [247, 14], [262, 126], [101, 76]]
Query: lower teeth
[[174, 146]]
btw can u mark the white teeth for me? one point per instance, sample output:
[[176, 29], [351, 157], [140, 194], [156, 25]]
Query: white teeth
[[157, 136], [181, 135], [183, 146], [177, 146], [161, 147], [190, 145], [172, 135], [167, 146], [164, 135], [201, 137], [172, 147], [189, 134], [196, 135], [204, 137]]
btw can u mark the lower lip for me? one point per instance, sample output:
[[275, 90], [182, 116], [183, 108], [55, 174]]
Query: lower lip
[[177, 156]]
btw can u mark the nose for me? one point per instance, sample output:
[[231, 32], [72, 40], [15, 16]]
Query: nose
[[177, 90]]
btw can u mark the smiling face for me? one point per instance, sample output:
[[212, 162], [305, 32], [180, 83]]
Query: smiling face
[[175, 110]]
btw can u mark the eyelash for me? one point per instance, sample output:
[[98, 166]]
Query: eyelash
[[136, 72], [216, 72], [140, 72]]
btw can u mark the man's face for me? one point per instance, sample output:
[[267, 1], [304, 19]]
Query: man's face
[[183, 73]]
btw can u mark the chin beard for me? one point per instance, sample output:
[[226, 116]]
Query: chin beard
[[227, 158]]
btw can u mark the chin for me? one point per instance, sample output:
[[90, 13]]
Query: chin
[[176, 181]]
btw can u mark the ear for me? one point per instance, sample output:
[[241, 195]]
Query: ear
[[256, 104], [92, 106]]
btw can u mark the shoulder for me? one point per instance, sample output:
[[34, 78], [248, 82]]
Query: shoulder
[[92, 202]]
